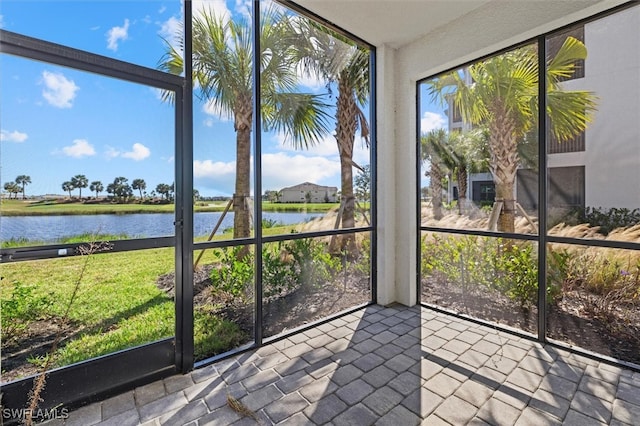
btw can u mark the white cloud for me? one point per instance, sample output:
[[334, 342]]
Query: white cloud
[[117, 34], [162, 9], [310, 82], [15, 136], [326, 147], [138, 152], [281, 170], [111, 152], [170, 30], [218, 8], [78, 149], [431, 121], [278, 171], [59, 91], [215, 176], [243, 7], [211, 169], [210, 107]]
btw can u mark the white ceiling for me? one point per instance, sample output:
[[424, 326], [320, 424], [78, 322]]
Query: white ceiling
[[397, 23]]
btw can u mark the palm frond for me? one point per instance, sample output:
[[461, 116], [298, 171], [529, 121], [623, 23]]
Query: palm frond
[[563, 64], [301, 117]]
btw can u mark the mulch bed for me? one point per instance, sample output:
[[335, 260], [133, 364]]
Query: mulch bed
[[569, 321]]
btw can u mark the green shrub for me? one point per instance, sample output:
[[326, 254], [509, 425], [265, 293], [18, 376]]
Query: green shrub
[[214, 335], [610, 219], [233, 275], [286, 266], [278, 272], [519, 280], [19, 310], [474, 263], [271, 223]]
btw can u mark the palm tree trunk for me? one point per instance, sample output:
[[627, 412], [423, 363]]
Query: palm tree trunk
[[346, 127], [243, 116], [462, 189], [435, 176], [504, 165]]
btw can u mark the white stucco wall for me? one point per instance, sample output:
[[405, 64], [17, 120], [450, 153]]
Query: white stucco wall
[[461, 41], [612, 140]]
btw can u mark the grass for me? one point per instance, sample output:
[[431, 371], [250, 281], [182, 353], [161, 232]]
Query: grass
[[66, 207], [118, 306]]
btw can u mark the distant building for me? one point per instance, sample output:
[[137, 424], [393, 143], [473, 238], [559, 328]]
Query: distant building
[[309, 193]]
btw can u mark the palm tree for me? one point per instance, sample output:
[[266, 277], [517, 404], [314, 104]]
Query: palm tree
[[433, 150], [222, 69], [80, 181], [120, 188], [67, 186], [463, 153], [96, 186], [503, 95], [163, 189], [333, 58], [23, 180], [12, 188], [140, 185]]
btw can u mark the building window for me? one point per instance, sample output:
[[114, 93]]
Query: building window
[[576, 144], [566, 187]]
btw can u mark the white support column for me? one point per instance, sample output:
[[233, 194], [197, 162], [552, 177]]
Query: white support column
[[387, 177]]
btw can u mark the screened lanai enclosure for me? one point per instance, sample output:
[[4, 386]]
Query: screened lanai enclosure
[[528, 214], [179, 250], [185, 181]]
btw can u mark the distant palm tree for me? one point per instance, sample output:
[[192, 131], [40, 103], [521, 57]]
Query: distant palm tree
[[334, 58], [79, 182], [222, 69], [140, 185], [12, 188], [23, 180], [163, 189], [67, 186], [502, 94], [461, 153], [97, 187], [433, 151], [120, 189]]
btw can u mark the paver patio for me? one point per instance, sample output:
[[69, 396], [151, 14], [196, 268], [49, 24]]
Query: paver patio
[[387, 366]]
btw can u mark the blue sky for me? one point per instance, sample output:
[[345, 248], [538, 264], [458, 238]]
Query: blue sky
[[57, 122]]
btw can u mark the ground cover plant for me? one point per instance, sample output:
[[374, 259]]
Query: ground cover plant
[[302, 282], [118, 306], [592, 296]]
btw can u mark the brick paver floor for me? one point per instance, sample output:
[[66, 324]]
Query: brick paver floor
[[387, 366]]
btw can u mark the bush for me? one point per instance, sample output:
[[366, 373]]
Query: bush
[[286, 266], [19, 311], [610, 219], [234, 276], [474, 263]]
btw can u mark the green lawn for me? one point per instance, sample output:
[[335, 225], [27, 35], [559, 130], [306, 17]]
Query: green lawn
[[118, 304], [62, 207]]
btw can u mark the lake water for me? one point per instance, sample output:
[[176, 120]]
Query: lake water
[[51, 228]]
